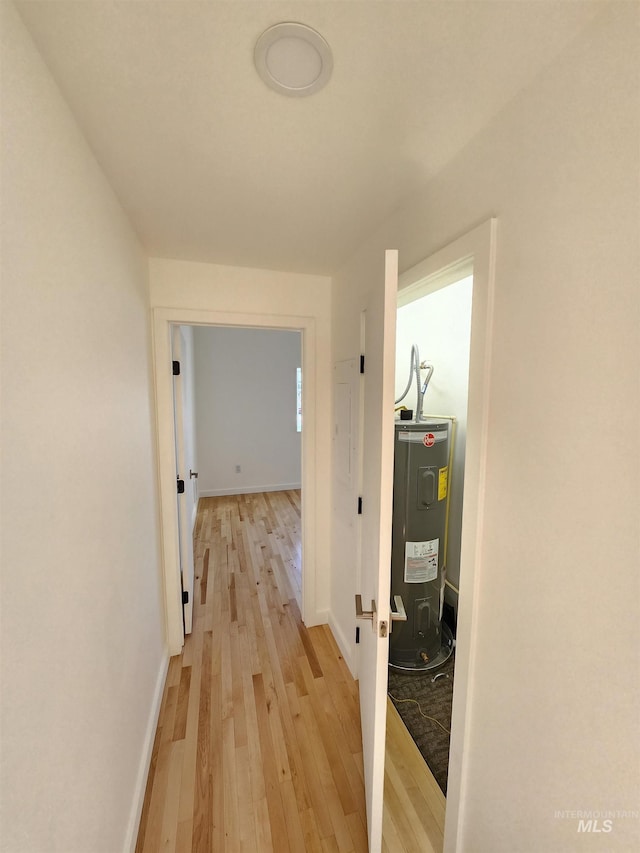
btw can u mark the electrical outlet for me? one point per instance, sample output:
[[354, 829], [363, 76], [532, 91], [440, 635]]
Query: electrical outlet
[[238, 469]]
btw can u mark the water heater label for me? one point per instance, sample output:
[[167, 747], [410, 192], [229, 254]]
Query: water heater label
[[443, 481], [421, 561]]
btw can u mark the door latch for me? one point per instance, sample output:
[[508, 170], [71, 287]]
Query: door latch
[[384, 628], [365, 614]]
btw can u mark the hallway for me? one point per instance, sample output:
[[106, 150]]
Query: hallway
[[258, 745]]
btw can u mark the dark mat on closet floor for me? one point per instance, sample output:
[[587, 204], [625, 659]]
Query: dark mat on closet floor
[[435, 697]]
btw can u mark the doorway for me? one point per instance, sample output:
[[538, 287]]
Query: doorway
[[238, 423], [434, 328], [164, 320], [474, 254]]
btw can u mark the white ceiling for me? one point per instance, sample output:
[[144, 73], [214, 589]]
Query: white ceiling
[[212, 165]]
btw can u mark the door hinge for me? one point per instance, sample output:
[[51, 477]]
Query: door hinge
[[357, 634], [180, 484], [359, 506], [361, 364], [176, 368], [185, 596]]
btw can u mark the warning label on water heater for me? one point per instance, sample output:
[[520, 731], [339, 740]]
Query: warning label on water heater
[[443, 481], [421, 561]]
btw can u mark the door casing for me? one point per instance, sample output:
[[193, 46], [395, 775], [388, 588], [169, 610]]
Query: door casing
[[163, 320]]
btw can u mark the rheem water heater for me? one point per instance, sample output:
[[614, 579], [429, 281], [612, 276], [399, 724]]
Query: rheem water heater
[[420, 499]]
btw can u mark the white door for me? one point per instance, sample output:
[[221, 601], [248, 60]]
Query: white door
[[377, 494], [184, 476]]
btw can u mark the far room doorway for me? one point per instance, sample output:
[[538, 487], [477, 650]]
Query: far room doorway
[[239, 391], [165, 320]]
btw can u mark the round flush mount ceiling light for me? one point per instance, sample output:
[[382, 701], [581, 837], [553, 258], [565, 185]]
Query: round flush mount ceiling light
[[293, 59]]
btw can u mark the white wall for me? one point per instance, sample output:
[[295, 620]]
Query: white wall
[[212, 290], [82, 626], [440, 324], [552, 723], [245, 395]]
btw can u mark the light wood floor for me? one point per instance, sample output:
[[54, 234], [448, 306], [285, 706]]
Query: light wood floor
[[414, 805], [258, 746]]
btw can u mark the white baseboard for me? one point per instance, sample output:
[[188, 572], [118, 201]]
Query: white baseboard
[[349, 650], [248, 490], [145, 760]]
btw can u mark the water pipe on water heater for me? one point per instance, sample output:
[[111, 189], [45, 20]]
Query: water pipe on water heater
[[415, 366]]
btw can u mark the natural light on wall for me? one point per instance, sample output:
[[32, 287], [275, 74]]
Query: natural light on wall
[[299, 399]]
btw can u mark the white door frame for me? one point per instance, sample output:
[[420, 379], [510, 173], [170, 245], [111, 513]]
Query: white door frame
[[479, 248], [163, 319]]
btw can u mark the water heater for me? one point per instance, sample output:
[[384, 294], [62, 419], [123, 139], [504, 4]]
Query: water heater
[[420, 501]]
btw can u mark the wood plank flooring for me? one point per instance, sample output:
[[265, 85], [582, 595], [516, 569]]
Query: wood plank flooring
[[414, 805], [258, 746]]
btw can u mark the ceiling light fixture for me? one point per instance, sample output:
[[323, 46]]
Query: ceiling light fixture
[[293, 59]]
